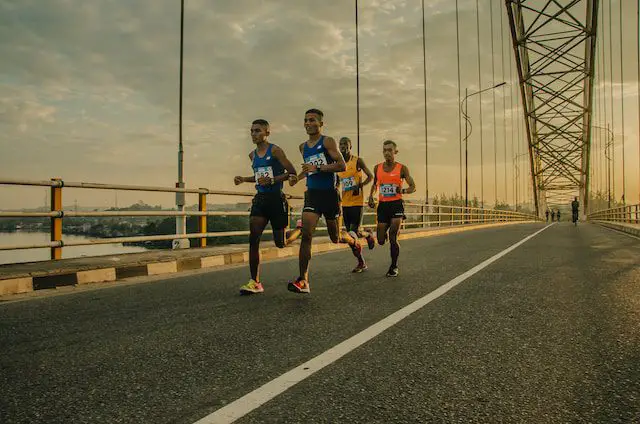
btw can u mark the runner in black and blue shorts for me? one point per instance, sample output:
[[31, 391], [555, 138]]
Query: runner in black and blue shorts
[[270, 168], [322, 160]]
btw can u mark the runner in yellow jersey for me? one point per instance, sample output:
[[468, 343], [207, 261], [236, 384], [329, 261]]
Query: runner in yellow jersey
[[353, 197]]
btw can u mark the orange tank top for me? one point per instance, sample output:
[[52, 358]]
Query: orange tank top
[[389, 182]]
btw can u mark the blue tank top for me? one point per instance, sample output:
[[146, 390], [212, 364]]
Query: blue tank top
[[318, 156], [267, 166]]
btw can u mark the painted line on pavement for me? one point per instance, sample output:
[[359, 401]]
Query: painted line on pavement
[[253, 400]]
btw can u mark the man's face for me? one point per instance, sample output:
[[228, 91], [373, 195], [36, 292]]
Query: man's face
[[345, 146], [258, 133], [389, 152], [312, 123]]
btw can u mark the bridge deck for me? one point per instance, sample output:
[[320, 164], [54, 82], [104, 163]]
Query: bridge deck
[[550, 332]]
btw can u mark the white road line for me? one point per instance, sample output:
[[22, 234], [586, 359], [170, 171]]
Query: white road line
[[247, 403]]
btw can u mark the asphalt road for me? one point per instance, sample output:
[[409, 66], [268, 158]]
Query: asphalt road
[[548, 333]]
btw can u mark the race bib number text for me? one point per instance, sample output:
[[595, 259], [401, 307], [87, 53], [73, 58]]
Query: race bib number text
[[263, 171], [388, 190], [317, 160], [349, 184]]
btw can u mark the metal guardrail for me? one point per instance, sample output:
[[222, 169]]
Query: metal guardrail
[[629, 214], [418, 215]]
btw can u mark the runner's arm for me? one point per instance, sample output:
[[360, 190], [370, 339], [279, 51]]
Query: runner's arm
[[302, 173], [332, 149], [374, 186], [361, 165], [279, 154], [239, 180], [404, 173]]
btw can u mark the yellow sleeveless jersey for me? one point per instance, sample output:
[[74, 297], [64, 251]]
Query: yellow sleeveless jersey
[[349, 180]]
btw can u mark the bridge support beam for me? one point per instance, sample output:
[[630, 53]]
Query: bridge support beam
[[554, 45]]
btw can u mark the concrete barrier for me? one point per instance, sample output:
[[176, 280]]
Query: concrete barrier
[[66, 273], [633, 229]]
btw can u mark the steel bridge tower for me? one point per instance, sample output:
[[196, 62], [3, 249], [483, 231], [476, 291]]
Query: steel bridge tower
[[554, 45]]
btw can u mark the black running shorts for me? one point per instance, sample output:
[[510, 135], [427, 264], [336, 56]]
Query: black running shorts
[[272, 206], [389, 210], [352, 216], [322, 202]]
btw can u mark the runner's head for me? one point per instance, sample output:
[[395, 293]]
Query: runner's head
[[260, 130], [389, 150], [345, 146], [575, 199], [313, 121]]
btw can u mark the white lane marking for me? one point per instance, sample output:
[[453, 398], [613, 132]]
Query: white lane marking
[[247, 403]]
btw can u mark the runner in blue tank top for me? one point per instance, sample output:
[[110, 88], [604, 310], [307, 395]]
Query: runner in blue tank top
[[270, 168], [322, 160]]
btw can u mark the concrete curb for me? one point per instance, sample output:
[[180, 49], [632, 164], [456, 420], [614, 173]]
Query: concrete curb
[[52, 280], [632, 229]]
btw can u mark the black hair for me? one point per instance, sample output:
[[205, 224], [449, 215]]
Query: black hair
[[348, 139], [395, 146], [317, 112], [262, 122]]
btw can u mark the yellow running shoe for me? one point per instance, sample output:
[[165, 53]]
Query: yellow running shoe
[[252, 287]]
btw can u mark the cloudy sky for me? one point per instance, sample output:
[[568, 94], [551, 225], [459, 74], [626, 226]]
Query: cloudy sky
[[89, 90]]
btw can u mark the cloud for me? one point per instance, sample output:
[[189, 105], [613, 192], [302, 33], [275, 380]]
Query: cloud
[[89, 90]]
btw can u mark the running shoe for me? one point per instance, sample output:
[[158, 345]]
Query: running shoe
[[299, 286], [360, 268], [252, 287], [371, 242], [393, 271]]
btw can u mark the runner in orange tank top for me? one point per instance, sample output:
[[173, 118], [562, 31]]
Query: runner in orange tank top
[[387, 179]]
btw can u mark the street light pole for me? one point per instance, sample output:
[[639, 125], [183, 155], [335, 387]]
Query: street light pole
[[466, 151], [181, 221], [467, 133]]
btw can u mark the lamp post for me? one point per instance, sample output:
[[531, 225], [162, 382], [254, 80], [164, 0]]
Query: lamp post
[[181, 221], [467, 133], [607, 154]]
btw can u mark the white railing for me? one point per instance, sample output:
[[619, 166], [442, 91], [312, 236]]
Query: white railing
[[418, 215]]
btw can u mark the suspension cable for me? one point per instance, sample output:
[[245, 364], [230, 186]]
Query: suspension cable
[[426, 133], [504, 107], [480, 102], [613, 121], [493, 92], [357, 83], [459, 98], [624, 174]]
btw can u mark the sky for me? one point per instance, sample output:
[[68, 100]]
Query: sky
[[89, 92]]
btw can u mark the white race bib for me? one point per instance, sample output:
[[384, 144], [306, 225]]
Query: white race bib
[[263, 171], [349, 184], [388, 190], [317, 160]]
